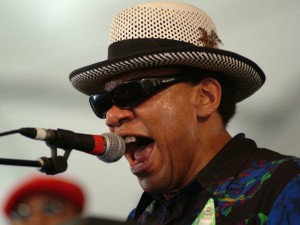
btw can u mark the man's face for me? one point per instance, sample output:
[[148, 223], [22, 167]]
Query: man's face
[[161, 133], [43, 209]]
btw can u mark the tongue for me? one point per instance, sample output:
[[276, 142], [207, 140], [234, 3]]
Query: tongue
[[142, 153]]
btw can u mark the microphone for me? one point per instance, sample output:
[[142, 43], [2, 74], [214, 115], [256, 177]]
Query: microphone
[[108, 147]]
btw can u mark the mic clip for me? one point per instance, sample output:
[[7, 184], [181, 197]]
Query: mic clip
[[54, 164]]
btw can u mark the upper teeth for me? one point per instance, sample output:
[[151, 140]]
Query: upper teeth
[[130, 139]]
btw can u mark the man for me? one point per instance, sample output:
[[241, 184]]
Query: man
[[44, 201], [169, 91]]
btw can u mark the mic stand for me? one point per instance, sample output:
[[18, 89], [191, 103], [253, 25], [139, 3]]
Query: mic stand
[[53, 165]]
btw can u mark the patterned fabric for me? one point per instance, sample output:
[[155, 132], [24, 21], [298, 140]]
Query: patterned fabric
[[249, 185]]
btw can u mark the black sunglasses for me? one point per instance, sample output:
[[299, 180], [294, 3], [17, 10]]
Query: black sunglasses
[[130, 93]]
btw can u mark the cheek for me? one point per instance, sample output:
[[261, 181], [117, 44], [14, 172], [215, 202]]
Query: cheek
[[167, 115], [156, 112], [174, 110]]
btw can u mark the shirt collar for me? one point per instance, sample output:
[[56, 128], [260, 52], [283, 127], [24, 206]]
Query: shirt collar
[[227, 163]]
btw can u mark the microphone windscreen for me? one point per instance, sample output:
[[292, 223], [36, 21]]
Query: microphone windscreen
[[115, 148]]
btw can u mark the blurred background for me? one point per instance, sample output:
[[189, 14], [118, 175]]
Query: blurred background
[[41, 42]]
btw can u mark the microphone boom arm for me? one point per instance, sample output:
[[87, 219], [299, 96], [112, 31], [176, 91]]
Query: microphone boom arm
[[20, 162], [50, 166]]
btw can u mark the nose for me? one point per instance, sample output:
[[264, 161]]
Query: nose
[[116, 116], [37, 219]]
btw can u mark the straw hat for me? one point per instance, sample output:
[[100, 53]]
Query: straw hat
[[167, 33]]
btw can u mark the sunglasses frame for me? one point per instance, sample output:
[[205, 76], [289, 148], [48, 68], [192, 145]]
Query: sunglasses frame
[[149, 86]]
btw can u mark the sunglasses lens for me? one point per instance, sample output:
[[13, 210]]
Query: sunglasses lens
[[100, 104], [128, 94]]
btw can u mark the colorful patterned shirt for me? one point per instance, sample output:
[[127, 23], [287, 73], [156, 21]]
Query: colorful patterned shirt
[[242, 184]]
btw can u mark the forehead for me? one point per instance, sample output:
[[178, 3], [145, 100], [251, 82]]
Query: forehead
[[41, 196], [143, 73]]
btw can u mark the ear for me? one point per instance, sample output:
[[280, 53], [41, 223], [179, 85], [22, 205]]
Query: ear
[[207, 97]]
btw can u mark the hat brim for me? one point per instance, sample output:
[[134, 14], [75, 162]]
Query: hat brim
[[246, 75]]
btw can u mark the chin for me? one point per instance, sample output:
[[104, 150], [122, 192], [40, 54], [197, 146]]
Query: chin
[[151, 186]]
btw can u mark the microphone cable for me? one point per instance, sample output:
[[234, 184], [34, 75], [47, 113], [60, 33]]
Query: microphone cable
[[9, 132]]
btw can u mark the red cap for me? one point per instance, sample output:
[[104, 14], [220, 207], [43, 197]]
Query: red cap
[[56, 186]]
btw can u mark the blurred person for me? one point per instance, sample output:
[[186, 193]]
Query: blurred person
[[42, 200], [170, 91]]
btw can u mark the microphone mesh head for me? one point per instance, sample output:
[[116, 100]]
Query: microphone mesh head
[[115, 148]]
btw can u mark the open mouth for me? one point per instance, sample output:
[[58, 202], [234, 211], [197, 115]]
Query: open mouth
[[138, 149]]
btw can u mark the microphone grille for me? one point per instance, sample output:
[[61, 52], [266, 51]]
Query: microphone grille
[[115, 148]]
